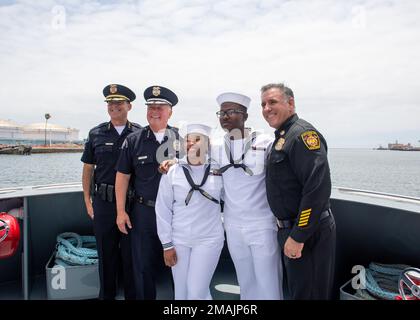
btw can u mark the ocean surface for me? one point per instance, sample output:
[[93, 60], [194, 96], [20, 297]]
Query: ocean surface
[[395, 172]]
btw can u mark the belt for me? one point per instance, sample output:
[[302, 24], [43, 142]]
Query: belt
[[105, 191], [149, 203], [287, 224]]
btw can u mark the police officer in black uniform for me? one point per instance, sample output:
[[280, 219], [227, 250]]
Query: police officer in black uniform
[[138, 165], [298, 190], [100, 156]]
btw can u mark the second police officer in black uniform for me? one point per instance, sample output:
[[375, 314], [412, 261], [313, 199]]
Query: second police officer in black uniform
[[100, 156], [298, 191], [138, 166]]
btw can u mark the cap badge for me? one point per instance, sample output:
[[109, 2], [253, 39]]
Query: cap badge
[[156, 91], [279, 144], [113, 88]]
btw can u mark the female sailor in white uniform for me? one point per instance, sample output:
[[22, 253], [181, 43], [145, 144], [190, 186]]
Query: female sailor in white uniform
[[188, 216]]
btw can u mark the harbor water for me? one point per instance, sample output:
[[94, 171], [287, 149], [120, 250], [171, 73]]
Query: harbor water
[[395, 172]]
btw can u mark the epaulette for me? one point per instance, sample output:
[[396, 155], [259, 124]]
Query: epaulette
[[138, 133], [104, 124], [136, 125], [100, 126]]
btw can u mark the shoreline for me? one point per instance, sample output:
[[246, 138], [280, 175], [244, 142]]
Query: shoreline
[[29, 149], [56, 150]]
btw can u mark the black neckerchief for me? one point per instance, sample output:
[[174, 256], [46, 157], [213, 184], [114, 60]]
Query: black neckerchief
[[195, 187], [238, 163]]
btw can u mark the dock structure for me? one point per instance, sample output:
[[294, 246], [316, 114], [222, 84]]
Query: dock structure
[[15, 149], [399, 147], [53, 149], [402, 147], [28, 149]]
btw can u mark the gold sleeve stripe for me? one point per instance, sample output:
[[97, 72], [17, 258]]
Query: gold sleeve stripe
[[304, 217]]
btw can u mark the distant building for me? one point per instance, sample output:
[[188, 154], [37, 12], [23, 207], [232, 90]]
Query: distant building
[[402, 147], [11, 132]]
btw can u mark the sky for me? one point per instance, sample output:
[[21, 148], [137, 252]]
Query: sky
[[354, 66]]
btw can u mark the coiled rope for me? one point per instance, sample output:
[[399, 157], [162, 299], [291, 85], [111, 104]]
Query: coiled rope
[[382, 280], [73, 249]]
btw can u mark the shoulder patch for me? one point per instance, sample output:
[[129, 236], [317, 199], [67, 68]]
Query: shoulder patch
[[311, 140]]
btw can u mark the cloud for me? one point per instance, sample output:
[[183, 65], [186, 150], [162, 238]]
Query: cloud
[[353, 65]]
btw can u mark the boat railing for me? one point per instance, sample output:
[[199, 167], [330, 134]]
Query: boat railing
[[40, 190], [77, 186], [376, 198], [378, 194]]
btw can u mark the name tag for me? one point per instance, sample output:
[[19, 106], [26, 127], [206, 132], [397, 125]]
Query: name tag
[[258, 148], [215, 172], [142, 157], [109, 143]]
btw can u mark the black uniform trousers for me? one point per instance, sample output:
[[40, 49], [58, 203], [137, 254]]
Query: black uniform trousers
[[311, 277], [147, 251], [113, 249]]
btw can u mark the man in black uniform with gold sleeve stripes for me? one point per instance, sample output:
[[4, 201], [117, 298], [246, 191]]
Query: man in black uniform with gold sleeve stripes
[[298, 191]]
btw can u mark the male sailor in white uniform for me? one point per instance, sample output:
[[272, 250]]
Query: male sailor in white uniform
[[250, 225], [188, 217]]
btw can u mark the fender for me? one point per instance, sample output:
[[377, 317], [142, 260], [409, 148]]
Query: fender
[[9, 235]]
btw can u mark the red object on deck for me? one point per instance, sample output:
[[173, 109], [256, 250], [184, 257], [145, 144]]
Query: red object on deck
[[410, 279], [9, 235]]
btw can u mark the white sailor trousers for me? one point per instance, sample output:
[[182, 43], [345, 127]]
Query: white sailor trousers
[[256, 256], [194, 270]]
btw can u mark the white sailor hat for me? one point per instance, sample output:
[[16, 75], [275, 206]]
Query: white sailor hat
[[234, 97], [198, 128]]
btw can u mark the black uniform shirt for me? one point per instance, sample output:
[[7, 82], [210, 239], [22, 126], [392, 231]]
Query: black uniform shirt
[[298, 176], [102, 149], [140, 156]]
